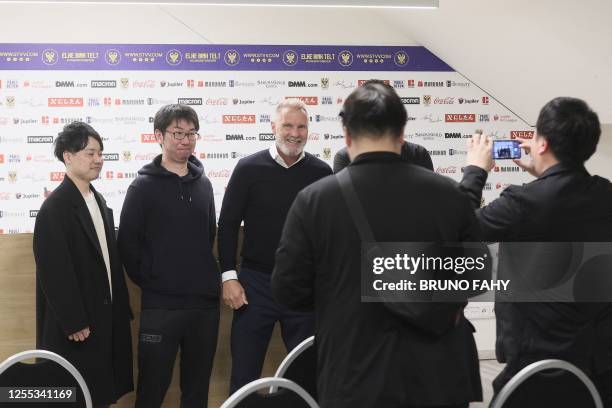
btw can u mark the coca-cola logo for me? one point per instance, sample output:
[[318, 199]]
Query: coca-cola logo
[[446, 170], [444, 101], [216, 102], [225, 173], [143, 84], [501, 186], [145, 156]]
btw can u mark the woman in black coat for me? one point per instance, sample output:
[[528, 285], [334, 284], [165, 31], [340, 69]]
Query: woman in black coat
[[82, 305]]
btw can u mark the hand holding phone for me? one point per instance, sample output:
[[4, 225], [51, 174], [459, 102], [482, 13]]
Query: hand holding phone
[[479, 149], [526, 162]]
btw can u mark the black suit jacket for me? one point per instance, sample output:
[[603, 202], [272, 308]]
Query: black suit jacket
[[411, 153], [73, 293], [564, 204], [366, 356]]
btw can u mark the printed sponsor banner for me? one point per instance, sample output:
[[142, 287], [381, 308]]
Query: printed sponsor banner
[[161, 57], [234, 89]]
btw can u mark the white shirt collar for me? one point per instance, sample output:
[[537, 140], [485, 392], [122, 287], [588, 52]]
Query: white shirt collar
[[278, 158]]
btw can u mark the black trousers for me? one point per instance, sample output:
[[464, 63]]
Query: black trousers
[[162, 333], [252, 327]]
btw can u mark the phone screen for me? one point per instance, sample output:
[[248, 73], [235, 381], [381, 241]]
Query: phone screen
[[506, 149]]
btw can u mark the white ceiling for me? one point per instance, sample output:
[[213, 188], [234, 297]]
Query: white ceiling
[[522, 52], [257, 3]]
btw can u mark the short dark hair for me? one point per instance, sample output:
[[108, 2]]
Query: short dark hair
[[169, 113], [375, 109], [74, 138], [571, 128]]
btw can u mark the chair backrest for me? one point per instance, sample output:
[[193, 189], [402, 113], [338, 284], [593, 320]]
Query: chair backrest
[[300, 366], [13, 372], [288, 394], [549, 383]]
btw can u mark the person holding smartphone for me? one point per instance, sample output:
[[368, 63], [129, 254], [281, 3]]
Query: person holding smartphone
[[563, 204]]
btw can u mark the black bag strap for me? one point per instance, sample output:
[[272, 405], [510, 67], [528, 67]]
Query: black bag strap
[[434, 319], [354, 205], [357, 212]]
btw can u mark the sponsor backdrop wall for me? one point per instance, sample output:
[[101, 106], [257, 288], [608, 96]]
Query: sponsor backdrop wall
[[234, 88]]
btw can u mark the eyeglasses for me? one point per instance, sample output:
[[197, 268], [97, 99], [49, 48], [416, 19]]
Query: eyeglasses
[[181, 135]]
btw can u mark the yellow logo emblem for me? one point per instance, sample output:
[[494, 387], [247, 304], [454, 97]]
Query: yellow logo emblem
[[401, 58], [346, 58]]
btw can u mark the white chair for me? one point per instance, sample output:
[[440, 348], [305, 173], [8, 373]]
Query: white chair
[[49, 355], [248, 397], [304, 356], [532, 370]]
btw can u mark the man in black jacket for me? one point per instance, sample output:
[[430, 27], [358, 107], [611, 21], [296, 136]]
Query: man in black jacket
[[366, 355], [166, 237], [260, 192], [410, 152], [82, 306], [564, 204]]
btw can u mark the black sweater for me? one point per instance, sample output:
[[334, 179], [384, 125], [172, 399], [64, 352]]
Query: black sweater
[[411, 152], [260, 192], [165, 237]]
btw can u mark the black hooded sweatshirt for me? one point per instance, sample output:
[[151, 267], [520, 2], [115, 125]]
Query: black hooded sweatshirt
[[166, 234]]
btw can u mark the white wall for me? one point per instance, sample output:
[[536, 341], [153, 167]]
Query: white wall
[[194, 24], [601, 162], [523, 52]]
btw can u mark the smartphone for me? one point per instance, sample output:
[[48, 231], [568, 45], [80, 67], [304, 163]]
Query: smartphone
[[506, 149]]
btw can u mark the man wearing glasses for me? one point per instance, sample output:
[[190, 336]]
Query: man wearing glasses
[[166, 235]]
